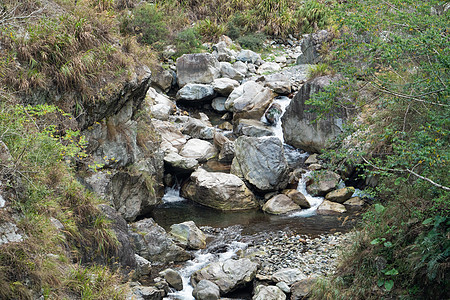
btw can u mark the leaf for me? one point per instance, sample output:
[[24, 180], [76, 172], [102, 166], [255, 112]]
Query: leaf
[[380, 282], [427, 221], [391, 272], [375, 242], [388, 285], [379, 208], [388, 244]]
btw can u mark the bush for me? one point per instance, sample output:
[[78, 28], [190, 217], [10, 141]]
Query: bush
[[149, 23], [321, 69], [188, 41], [209, 30], [253, 41]]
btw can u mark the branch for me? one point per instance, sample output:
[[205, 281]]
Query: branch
[[407, 171]]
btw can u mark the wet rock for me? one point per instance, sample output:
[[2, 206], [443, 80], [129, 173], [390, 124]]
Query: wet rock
[[228, 275], [199, 149], [302, 288], [179, 164], [153, 243], [144, 267], [328, 207], [280, 204], [248, 56], [224, 86], [158, 106], [253, 128], [273, 113], [321, 182], [268, 67], [206, 290], [173, 278], [288, 275], [297, 197], [261, 162], [188, 235], [219, 104], [230, 71], [300, 127], [198, 129], [194, 93], [340, 195], [197, 68], [249, 101], [271, 292], [355, 202], [219, 190]]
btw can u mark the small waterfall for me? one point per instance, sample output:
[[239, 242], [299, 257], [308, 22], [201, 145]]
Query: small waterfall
[[172, 195], [283, 101], [313, 201]]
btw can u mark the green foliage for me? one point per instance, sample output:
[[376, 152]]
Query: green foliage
[[209, 30], [312, 16], [320, 69], [252, 41], [188, 41]]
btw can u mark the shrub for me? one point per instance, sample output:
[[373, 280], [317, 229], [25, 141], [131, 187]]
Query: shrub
[[321, 69], [253, 41], [149, 23], [188, 41], [209, 30]]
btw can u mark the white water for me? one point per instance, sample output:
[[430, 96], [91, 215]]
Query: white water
[[172, 195], [313, 201], [283, 101]]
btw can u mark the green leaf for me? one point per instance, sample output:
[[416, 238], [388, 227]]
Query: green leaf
[[375, 242], [379, 208], [388, 285], [380, 282], [391, 272], [388, 244], [427, 221]]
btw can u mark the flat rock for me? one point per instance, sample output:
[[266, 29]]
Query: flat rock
[[340, 195], [197, 68], [199, 149], [328, 207], [254, 128], [280, 204], [189, 235], [271, 292], [268, 67]]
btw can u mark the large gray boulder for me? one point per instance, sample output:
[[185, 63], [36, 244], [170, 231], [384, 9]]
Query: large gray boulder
[[311, 46], [261, 162], [224, 86], [288, 275], [340, 195], [178, 164], [300, 127], [280, 204], [254, 128], [194, 93], [157, 105], [270, 292], [268, 67], [199, 149], [249, 101], [322, 182], [162, 79], [248, 56], [219, 190], [206, 290], [173, 278], [297, 197], [172, 140], [229, 71], [228, 275], [152, 242], [198, 129], [188, 235], [302, 288], [197, 68]]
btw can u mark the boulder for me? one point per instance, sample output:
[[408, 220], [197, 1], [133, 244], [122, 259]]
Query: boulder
[[261, 162], [268, 67], [188, 235], [206, 290], [240, 67], [144, 267], [158, 106], [230, 71], [279, 83], [311, 46], [312, 159], [178, 164], [288, 275], [228, 275], [254, 128], [199, 149], [197, 68], [198, 129], [173, 278], [271, 292], [222, 52], [226, 154], [146, 293], [195, 93], [355, 202], [162, 80], [249, 101], [224, 86], [153, 243], [219, 104], [220, 139], [280, 204], [321, 182], [248, 56], [340, 195], [300, 127], [328, 207], [273, 113], [219, 190], [315, 167], [172, 140], [302, 288], [297, 197]]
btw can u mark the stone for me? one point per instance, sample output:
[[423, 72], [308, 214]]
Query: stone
[[206, 290], [280, 204], [288, 275], [188, 235], [302, 288], [228, 275], [262, 163], [218, 190], [173, 278], [315, 167], [199, 149], [355, 202], [230, 71], [220, 139], [271, 292], [158, 106], [9, 233], [198, 129], [284, 287], [254, 128], [222, 52], [144, 267], [226, 154], [146, 293], [195, 93], [248, 56], [172, 140], [312, 159], [218, 104], [297, 197], [321, 182], [340, 195], [179, 164], [240, 67], [301, 128], [162, 80], [311, 46], [277, 82], [268, 67], [227, 126], [197, 68], [328, 207], [224, 86], [273, 113], [152, 242], [249, 101]]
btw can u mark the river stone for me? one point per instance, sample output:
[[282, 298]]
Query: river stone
[[172, 140], [189, 235], [197, 68], [162, 79], [328, 207], [284, 287], [302, 288], [219, 104], [301, 128], [280, 204], [248, 56], [173, 278], [355, 202], [288, 275], [254, 128], [198, 129], [261, 162], [198, 149], [230, 71], [206, 290], [144, 267], [157, 105], [249, 101], [321, 182], [226, 154], [179, 164], [312, 159], [271, 292], [146, 293], [228, 275], [268, 67], [297, 197], [273, 113], [224, 86], [279, 83], [340, 195], [153, 243], [195, 93], [219, 190], [220, 139]]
